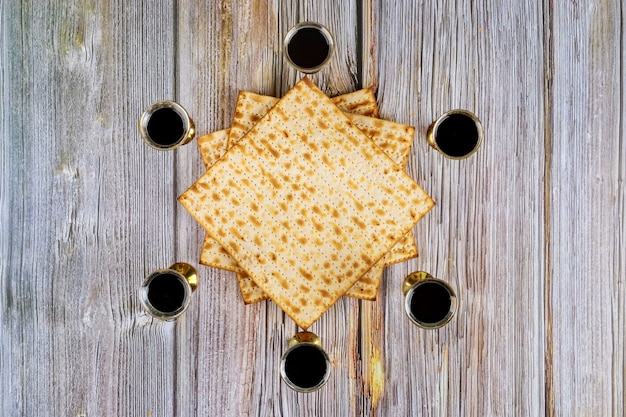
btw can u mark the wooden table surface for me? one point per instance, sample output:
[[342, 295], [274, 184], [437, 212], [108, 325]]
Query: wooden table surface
[[530, 230]]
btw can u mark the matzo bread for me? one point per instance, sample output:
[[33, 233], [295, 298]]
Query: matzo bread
[[394, 138], [306, 203], [251, 107], [366, 288], [250, 292], [212, 146], [358, 102]]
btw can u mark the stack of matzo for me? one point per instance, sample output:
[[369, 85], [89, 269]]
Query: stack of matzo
[[306, 203], [394, 138]]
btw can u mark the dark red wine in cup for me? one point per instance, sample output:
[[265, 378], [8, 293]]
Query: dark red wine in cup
[[457, 135], [430, 302], [166, 126], [306, 366], [166, 293], [308, 48]]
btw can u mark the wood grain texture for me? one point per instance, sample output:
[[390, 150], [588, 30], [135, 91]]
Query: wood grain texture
[[237, 348], [586, 196], [485, 236], [529, 231], [86, 203]]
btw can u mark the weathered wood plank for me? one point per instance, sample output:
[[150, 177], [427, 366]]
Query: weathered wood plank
[[339, 327], [485, 236], [223, 48], [586, 208], [215, 359], [88, 202]]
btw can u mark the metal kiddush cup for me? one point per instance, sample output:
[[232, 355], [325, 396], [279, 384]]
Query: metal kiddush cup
[[456, 134], [430, 303], [305, 366], [166, 293], [166, 125], [308, 46]]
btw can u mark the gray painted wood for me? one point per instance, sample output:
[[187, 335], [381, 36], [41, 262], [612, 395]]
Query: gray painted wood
[[586, 198], [529, 231]]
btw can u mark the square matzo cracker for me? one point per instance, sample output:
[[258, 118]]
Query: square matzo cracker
[[249, 109], [306, 203], [394, 138]]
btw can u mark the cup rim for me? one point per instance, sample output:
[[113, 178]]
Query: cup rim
[[432, 131], [330, 40], [165, 315], [446, 319], [283, 373], [188, 125]]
